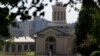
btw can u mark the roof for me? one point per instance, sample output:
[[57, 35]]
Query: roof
[[63, 32], [38, 18], [22, 39]]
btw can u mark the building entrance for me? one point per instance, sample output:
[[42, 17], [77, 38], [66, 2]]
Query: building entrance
[[51, 45]]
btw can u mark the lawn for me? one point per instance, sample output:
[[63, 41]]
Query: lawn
[[26, 54]]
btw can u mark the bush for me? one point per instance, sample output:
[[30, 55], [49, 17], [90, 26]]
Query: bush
[[95, 53]]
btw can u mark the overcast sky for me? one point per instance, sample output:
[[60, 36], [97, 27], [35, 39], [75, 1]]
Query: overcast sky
[[71, 16]]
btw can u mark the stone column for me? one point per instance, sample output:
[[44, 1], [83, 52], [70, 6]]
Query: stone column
[[28, 46], [22, 47], [16, 48], [3, 49], [9, 48]]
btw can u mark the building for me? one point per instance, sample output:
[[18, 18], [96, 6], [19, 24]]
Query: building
[[28, 27], [52, 38], [19, 45], [22, 36], [57, 39], [39, 24]]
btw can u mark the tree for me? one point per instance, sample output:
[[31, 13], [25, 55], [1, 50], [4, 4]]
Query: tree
[[85, 41], [95, 31], [95, 53]]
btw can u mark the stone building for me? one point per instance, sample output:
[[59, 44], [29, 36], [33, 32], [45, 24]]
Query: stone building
[[19, 45], [57, 39], [23, 36], [51, 38], [54, 40]]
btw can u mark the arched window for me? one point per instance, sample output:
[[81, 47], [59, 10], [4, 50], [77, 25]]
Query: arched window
[[25, 47], [50, 39], [7, 47], [50, 44], [32, 47], [19, 48], [13, 48]]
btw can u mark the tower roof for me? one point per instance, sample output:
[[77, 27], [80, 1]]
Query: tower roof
[[59, 3]]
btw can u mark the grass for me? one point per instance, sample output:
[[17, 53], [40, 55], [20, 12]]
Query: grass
[[30, 53], [25, 54]]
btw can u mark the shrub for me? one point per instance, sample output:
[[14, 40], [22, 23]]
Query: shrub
[[95, 53]]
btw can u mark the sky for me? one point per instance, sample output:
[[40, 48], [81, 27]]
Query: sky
[[71, 17]]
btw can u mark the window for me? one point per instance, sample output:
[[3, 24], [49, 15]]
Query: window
[[13, 48], [32, 48], [7, 48], [50, 44], [25, 47], [62, 16], [54, 16], [61, 26], [19, 48], [58, 16]]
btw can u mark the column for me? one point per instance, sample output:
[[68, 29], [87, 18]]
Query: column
[[4, 49], [9, 48], [16, 48], [22, 47], [28, 47]]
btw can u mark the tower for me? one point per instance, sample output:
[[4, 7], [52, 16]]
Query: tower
[[59, 12], [58, 15]]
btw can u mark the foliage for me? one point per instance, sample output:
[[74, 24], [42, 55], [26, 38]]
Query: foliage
[[88, 46], [95, 31], [95, 53], [86, 28], [7, 18]]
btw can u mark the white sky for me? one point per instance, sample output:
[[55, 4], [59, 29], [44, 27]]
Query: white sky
[[71, 16]]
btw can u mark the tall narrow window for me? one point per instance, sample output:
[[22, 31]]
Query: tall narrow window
[[7, 47], [25, 47], [54, 16], [19, 48], [50, 44], [32, 47], [13, 48], [58, 16], [62, 16]]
